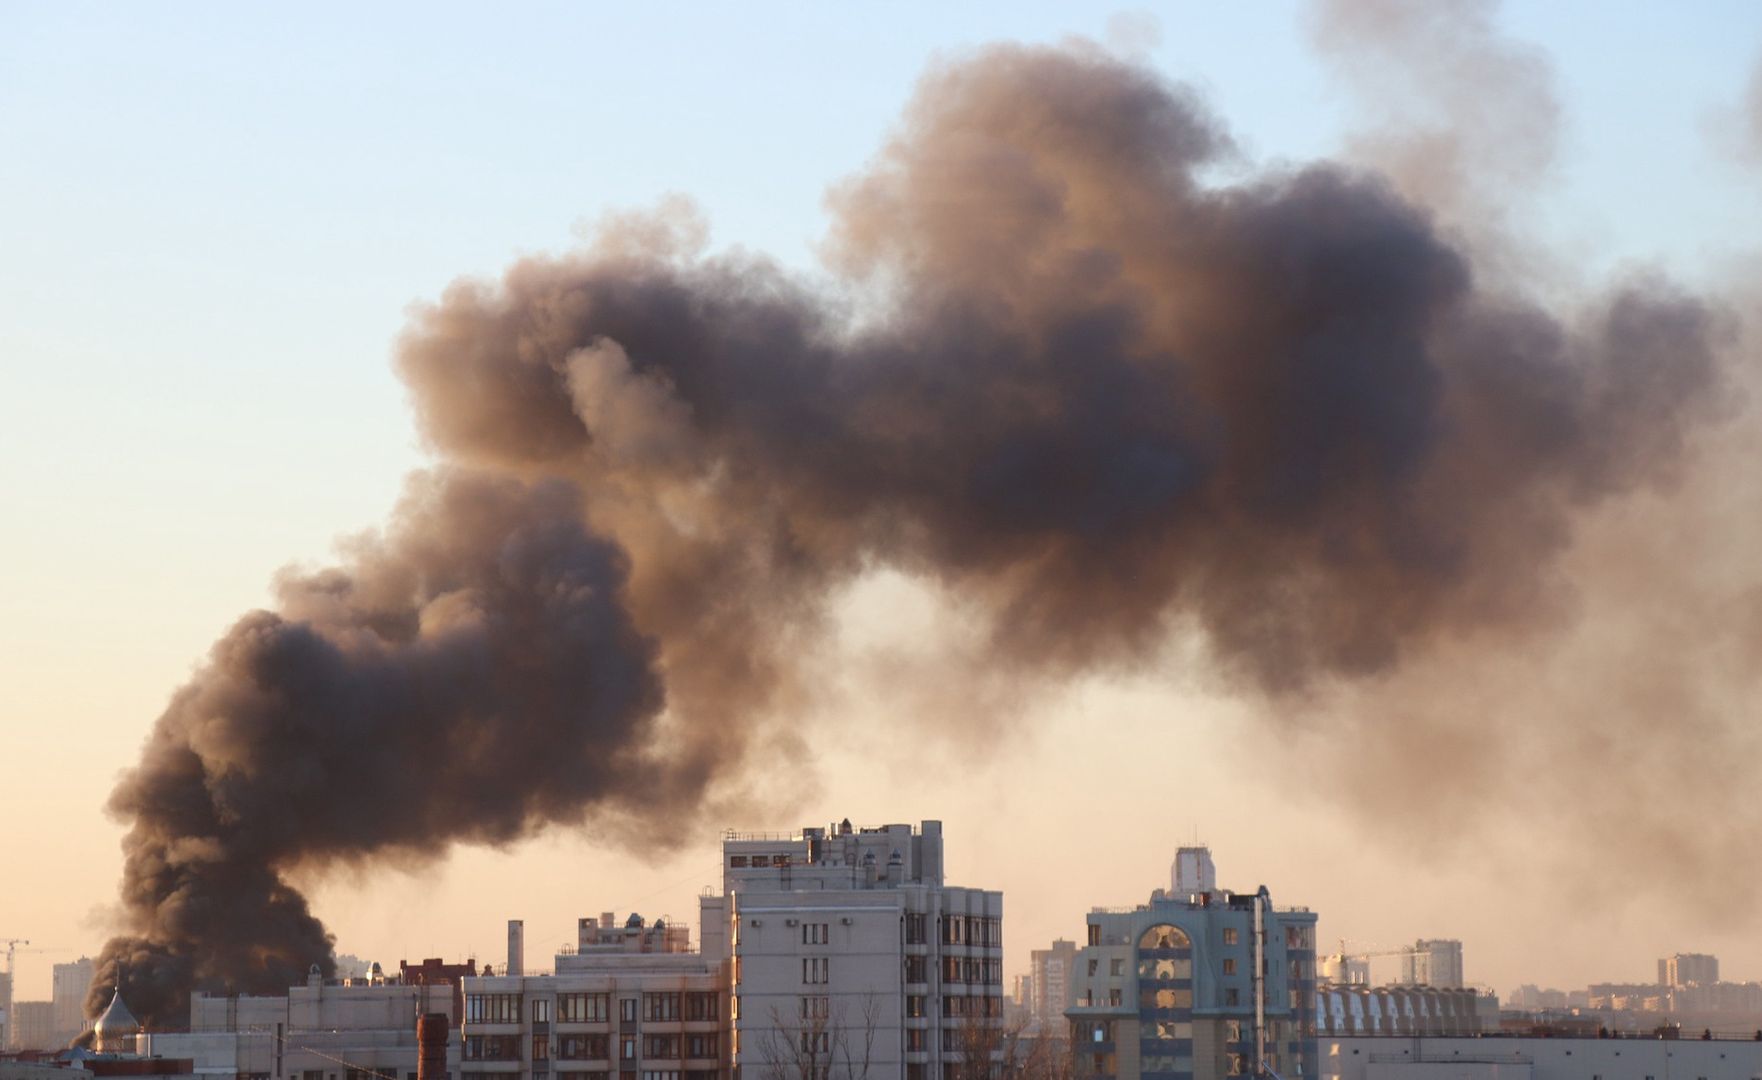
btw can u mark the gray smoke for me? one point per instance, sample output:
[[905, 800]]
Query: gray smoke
[[1085, 393]]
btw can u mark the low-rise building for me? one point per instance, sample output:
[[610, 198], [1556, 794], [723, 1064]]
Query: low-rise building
[[1553, 1058]]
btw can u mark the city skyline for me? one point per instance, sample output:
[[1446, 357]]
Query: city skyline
[[201, 391]]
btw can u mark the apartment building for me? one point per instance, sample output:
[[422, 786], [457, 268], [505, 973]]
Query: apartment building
[[853, 959], [69, 983], [1051, 989], [1433, 962], [1193, 986], [631, 1001]]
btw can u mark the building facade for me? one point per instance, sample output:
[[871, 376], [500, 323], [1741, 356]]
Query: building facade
[[1052, 986], [1195, 986], [1688, 969], [1433, 962], [1556, 1058], [70, 983], [852, 959], [631, 1001], [33, 1025], [351, 1029]]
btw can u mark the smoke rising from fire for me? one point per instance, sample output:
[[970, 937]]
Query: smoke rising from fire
[[1092, 395]]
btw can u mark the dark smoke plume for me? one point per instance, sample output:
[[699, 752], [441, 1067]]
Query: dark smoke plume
[[470, 675], [1095, 398]]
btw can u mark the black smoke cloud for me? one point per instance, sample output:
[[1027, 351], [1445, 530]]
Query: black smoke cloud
[[469, 675], [1089, 392]]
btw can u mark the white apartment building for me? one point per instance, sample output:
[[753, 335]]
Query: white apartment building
[[853, 960], [1433, 962]]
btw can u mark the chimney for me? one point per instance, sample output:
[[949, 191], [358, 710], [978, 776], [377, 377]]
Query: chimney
[[516, 947], [431, 1041]]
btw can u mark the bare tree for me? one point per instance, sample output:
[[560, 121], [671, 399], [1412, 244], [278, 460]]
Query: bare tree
[[1044, 1055], [986, 1044], [823, 1042]]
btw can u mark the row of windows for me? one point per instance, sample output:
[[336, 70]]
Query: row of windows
[[742, 861], [491, 1048], [966, 969], [582, 1008], [971, 930], [492, 1008], [594, 1008], [971, 1006]]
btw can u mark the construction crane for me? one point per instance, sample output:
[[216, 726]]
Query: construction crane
[[1345, 955], [12, 945]]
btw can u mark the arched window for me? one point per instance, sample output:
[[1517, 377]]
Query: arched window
[[1165, 937]]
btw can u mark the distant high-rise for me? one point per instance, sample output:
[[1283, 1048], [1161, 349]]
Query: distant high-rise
[[1051, 990], [71, 981], [1433, 962], [1192, 871], [1688, 969]]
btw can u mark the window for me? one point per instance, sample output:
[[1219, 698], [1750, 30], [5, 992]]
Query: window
[[1229, 965], [1229, 935], [541, 1010], [492, 1008], [814, 933], [914, 1007], [661, 1006], [951, 969], [1116, 966], [703, 1005], [1094, 934], [627, 1010], [815, 1042], [816, 969], [1094, 966], [627, 1048], [916, 970], [660, 1047], [914, 1040], [581, 1047], [780, 860], [817, 1007], [582, 1008], [704, 1045], [737, 860], [660, 1074], [1165, 937], [541, 1048], [491, 1048], [914, 929], [1113, 996], [1232, 996]]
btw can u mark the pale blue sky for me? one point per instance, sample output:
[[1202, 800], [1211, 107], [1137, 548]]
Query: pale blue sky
[[213, 217]]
